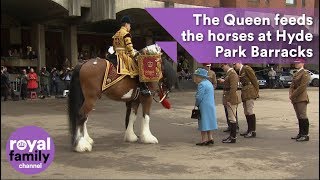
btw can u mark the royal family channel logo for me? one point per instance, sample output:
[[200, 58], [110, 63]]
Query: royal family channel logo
[[30, 150]]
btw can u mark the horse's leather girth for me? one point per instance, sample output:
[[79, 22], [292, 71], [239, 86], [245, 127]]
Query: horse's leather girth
[[111, 76]]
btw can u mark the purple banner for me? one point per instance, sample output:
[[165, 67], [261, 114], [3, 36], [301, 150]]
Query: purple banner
[[226, 35]]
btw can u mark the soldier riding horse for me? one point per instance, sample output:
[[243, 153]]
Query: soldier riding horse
[[98, 76]]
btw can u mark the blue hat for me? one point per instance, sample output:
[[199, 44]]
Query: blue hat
[[201, 72], [126, 19]]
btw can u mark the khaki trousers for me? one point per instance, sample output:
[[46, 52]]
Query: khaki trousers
[[248, 107], [232, 113], [301, 110]]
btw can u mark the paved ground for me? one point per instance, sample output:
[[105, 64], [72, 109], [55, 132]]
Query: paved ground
[[271, 155]]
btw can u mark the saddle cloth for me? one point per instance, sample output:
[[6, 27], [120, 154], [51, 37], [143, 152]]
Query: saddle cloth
[[111, 76]]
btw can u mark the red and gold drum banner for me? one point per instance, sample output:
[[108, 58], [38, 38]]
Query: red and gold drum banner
[[149, 68]]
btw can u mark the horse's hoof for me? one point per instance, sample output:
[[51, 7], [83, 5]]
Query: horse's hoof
[[83, 146], [149, 139], [130, 137], [90, 140]]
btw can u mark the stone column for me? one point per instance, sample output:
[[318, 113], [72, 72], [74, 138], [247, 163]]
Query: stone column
[[169, 4], [74, 8], [38, 44], [71, 46], [102, 9], [15, 35]]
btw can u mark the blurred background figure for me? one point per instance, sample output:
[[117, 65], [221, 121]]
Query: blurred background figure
[[66, 78], [32, 80], [54, 81], [24, 82], [5, 83], [45, 82], [272, 77], [211, 74]]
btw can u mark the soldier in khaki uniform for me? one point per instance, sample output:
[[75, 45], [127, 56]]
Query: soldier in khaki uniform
[[211, 74], [299, 98], [125, 53], [230, 99], [213, 79], [249, 93]]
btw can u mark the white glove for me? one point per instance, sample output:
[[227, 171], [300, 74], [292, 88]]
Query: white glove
[[111, 50]]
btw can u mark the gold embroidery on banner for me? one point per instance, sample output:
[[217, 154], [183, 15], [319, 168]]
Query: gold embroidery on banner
[[149, 75]]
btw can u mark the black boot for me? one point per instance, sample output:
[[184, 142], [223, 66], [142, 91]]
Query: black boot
[[228, 129], [252, 127], [144, 89], [299, 134], [304, 131], [237, 121], [233, 134], [245, 133]]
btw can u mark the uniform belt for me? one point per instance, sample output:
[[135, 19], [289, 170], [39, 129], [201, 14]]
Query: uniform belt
[[247, 84], [120, 49], [226, 89]]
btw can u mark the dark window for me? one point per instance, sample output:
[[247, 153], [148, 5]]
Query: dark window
[[260, 77], [290, 2], [286, 74], [253, 3]]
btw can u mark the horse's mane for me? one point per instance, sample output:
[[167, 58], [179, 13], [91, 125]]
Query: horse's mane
[[151, 49], [169, 73]]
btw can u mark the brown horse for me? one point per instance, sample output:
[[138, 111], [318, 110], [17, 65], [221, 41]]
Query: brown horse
[[85, 89]]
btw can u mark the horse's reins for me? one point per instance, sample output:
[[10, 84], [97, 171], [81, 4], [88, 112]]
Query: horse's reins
[[164, 95]]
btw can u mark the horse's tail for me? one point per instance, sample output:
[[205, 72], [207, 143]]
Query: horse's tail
[[75, 101]]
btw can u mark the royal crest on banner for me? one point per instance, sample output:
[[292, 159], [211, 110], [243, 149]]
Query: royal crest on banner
[[149, 68]]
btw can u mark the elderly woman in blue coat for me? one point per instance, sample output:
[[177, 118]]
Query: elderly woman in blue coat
[[205, 102]]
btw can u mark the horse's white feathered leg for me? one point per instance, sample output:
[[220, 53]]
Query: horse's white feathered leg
[[85, 133], [146, 136], [129, 135], [82, 144]]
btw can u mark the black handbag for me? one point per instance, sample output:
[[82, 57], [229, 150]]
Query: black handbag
[[195, 113]]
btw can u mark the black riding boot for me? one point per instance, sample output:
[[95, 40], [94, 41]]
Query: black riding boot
[[237, 121], [252, 127], [144, 89], [304, 131], [299, 134], [245, 133], [233, 134]]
